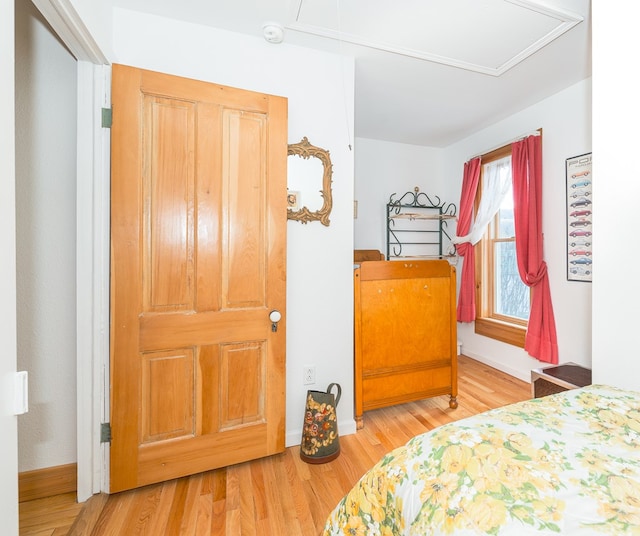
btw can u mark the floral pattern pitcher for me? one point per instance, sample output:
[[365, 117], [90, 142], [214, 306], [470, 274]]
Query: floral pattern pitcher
[[320, 442]]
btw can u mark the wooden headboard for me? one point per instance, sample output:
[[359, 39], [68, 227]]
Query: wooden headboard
[[360, 255]]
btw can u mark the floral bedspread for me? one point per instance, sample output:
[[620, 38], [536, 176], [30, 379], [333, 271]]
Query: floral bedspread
[[562, 464]]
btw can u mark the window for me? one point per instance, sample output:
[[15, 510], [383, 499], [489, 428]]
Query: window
[[502, 300]]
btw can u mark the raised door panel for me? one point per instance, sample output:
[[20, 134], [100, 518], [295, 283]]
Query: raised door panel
[[406, 314]]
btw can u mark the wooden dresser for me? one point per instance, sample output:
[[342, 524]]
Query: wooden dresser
[[405, 333]]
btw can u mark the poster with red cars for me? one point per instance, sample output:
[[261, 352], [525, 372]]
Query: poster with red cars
[[579, 218]]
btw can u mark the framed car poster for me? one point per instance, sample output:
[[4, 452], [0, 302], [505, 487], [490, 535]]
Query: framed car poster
[[579, 218]]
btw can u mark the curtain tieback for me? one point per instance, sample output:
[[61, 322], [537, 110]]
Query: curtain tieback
[[533, 279], [463, 247]]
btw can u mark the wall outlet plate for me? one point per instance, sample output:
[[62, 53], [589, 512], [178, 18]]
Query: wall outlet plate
[[308, 375]]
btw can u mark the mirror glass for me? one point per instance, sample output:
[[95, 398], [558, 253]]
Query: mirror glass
[[304, 177]]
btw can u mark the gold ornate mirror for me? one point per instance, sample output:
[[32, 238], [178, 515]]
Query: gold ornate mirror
[[302, 189]]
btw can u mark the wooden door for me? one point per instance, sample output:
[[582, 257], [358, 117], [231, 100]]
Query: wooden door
[[198, 231]]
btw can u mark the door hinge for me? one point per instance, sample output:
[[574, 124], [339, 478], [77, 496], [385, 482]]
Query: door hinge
[[107, 118], [105, 432]]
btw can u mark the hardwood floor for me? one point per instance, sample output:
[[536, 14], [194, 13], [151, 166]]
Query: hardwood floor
[[279, 495]]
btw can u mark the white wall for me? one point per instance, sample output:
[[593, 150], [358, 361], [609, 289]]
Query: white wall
[[616, 191], [46, 230], [319, 266], [8, 421], [85, 24], [97, 18], [566, 122], [384, 168]]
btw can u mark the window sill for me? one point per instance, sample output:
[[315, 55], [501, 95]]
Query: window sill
[[501, 331]]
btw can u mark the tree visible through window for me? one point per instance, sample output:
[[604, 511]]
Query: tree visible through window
[[511, 296], [503, 300]]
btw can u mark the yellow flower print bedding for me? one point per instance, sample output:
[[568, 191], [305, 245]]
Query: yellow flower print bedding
[[563, 464]]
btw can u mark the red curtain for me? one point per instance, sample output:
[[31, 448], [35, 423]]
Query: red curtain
[[467, 298], [526, 161]]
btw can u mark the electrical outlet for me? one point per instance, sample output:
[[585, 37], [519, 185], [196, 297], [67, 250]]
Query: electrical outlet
[[309, 374]]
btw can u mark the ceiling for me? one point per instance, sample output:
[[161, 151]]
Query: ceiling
[[427, 72]]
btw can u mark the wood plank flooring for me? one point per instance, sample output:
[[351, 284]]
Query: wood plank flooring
[[279, 495]]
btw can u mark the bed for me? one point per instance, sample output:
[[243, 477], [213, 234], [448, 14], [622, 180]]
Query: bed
[[567, 463]]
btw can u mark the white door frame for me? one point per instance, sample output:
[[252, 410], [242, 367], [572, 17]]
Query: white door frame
[[92, 277], [92, 243], [8, 356]]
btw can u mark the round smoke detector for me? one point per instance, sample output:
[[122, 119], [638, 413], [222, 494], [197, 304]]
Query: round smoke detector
[[273, 32]]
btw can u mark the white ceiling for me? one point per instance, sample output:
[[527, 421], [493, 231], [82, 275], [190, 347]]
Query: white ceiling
[[428, 72]]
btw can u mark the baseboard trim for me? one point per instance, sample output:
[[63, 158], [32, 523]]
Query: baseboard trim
[[525, 377], [41, 483]]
